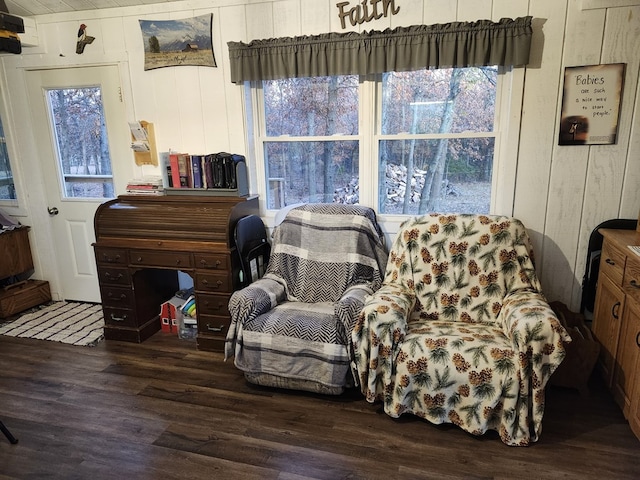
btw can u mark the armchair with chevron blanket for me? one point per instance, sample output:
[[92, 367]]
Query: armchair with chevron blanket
[[460, 331], [292, 327]]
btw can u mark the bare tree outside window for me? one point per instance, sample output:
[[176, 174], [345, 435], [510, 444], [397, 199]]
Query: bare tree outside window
[[437, 140], [81, 142], [309, 152]]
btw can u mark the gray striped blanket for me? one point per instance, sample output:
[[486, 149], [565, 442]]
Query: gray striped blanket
[[295, 322]]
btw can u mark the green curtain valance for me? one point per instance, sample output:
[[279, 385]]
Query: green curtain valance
[[457, 44]]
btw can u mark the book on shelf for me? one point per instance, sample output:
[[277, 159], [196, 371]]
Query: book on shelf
[[205, 184], [175, 169], [165, 169], [196, 171], [184, 171], [208, 169]]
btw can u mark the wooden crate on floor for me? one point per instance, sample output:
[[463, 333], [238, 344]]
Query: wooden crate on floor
[[23, 295]]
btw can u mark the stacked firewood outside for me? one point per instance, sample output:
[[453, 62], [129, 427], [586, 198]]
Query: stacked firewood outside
[[396, 185]]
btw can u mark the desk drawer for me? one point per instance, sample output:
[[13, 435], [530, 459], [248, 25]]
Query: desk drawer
[[114, 276], [213, 325], [161, 259], [213, 304], [612, 262], [216, 261], [117, 297], [631, 284], [119, 317], [213, 282], [115, 256]]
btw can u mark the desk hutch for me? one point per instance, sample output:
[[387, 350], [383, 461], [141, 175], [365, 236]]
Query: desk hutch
[[142, 241]]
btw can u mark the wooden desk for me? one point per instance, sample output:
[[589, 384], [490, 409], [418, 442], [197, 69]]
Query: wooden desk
[[616, 320], [142, 241]]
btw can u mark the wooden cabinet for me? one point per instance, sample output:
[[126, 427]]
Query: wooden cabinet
[[15, 252], [15, 262], [607, 314], [143, 241], [616, 321]]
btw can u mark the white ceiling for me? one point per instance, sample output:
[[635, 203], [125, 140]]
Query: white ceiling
[[27, 8]]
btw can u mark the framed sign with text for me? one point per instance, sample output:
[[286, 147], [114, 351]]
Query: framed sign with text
[[591, 104]]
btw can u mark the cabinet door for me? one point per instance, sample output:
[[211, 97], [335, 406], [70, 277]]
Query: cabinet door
[[624, 377], [607, 317], [15, 252]]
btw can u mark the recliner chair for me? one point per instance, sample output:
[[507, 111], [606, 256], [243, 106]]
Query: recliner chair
[[291, 328], [460, 331]]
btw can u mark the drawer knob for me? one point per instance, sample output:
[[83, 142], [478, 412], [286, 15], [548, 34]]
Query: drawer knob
[[634, 284], [219, 306], [109, 259], [638, 339], [215, 329], [111, 277], [121, 297], [610, 262], [204, 263], [118, 319], [218, 284]]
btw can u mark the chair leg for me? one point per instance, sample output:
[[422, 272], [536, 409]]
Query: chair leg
[[7, 434]]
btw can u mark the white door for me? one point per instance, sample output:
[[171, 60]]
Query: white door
[[81, 123]]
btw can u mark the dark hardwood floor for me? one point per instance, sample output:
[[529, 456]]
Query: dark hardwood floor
[[163, 410]]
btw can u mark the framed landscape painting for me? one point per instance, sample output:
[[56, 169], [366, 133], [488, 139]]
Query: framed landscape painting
[[172, 43]]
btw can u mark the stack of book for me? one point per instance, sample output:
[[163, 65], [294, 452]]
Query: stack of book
[[147, 185]]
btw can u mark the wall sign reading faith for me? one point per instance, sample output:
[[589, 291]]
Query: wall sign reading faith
[[591, 104], [365, 11]]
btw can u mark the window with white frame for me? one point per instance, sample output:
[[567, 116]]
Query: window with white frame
[[310, 140], [435, 139], [7, 185], [432, 131]]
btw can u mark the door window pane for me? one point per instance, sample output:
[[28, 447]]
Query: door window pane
[[81, 141], [7, 187]]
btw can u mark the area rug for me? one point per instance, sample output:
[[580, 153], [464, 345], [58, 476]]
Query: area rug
[[75, 323]]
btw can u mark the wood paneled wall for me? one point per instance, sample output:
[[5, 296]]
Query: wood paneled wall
[[561, 193]]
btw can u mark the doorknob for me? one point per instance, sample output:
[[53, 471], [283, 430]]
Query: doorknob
[[52, 210]]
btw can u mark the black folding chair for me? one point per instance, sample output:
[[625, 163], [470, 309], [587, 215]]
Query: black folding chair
[[592, 267], [7, 434], [253, 248]]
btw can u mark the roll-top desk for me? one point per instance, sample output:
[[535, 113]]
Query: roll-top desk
[[142, 241]]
